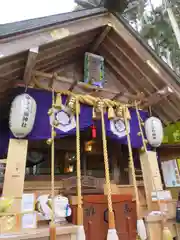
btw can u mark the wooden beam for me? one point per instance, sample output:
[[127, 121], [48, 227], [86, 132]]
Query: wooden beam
[[157, 96], [85, 87], [51, 34], [30, 64], [100, 38]]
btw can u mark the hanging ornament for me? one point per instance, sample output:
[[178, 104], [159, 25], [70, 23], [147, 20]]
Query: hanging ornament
[[22, 115], [154, 131], [93, 129]]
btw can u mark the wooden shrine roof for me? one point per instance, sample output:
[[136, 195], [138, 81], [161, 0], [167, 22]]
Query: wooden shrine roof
[[40, 47]]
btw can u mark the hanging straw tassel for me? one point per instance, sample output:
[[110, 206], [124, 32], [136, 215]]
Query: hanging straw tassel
[[112, 234], [166, 233], [80, 230], [58, 102], [141, 229], [52, 224], [111, 113]]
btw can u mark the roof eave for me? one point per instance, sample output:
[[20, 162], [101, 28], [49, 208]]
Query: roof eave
[[27, 26]]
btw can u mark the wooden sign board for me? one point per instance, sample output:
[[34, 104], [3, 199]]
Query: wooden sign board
[[14, 175], [86, 181]]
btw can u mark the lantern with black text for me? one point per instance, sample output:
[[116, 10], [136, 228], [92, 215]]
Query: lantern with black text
[[154, 131], [22, 115]]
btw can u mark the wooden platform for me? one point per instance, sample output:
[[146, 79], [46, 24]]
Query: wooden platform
[[67, 232]]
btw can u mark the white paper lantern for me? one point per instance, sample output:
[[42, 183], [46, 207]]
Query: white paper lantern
[[154, 131], [22, 115]]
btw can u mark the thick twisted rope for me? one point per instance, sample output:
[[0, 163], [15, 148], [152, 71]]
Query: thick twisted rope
[[131, 165], [107, 175], [52, 225], [145, 149], [78, 166], [52, 158]]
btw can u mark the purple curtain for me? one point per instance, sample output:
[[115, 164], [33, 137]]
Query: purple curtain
[[4, 138], [136, 140], [42, 127]]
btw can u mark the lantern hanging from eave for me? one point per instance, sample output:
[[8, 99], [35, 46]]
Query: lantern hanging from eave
[[154, 131], [22, 115]]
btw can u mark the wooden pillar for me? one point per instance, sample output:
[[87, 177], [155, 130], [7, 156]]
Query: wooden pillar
[[151, 174]]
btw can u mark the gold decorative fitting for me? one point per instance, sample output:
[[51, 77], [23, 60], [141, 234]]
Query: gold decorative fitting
[[55, 123], [142, 149], [139, 133], [50, 111], [49, 141], [142, 123], [146, 141], [71, 104]]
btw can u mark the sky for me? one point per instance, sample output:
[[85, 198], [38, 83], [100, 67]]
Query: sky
[[18, 10]]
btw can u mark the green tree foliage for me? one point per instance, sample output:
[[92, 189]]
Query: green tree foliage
[[158, 31], [152, 24]]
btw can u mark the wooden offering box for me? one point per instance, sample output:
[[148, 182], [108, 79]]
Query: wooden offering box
[[96, 216]]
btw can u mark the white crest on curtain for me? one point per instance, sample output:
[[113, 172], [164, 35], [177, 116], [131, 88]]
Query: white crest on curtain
[[66, 120], [117, 126]]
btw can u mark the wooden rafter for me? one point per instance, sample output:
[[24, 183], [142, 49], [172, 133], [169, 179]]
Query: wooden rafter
[[100, 38], [157, 96], [30, 64]]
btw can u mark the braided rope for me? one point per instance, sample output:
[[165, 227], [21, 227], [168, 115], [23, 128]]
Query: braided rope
[[145, 149], [52, 160], [107, 176], [78, 166], [131, 165]]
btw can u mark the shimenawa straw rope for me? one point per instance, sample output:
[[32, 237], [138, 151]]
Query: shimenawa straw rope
[[80, 231], [141, 230], [52, 224], [112, 234]]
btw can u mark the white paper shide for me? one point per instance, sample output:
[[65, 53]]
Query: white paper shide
[[154, 131], [22, 115]]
